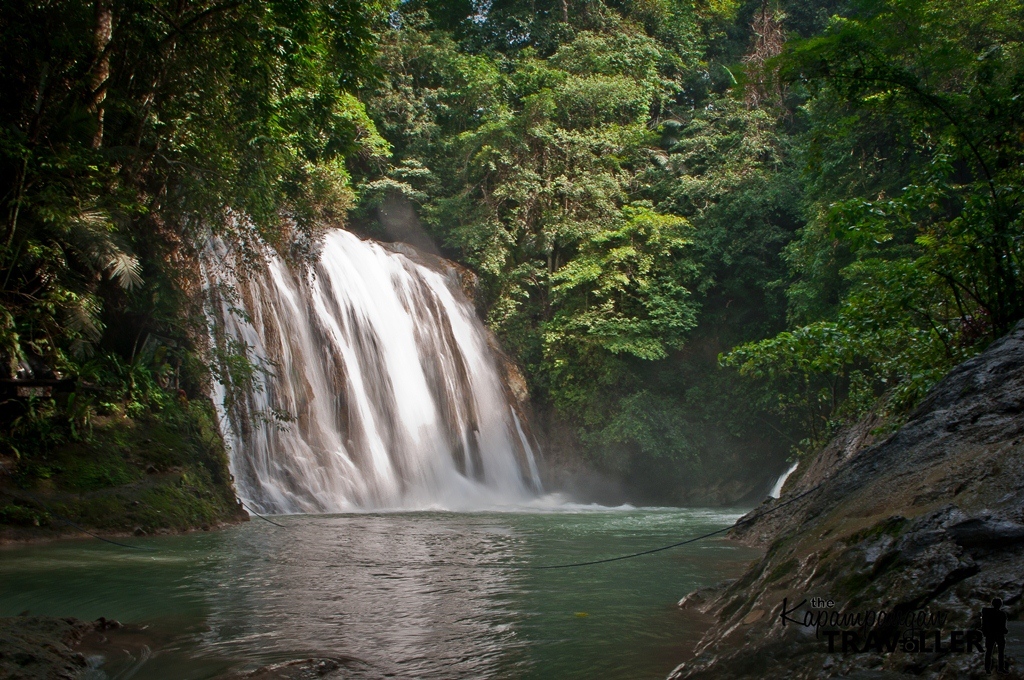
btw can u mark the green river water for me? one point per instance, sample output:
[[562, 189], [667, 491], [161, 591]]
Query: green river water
[[409, 595]]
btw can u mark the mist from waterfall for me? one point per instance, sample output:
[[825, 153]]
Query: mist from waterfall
[[394, 394]]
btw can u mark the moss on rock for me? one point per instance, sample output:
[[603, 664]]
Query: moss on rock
[[160, 472]]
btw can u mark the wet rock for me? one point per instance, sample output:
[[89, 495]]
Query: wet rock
[[693, 600], [104, 623], [700, 599], [929, 519], [986, 532], [38, 647], [754, 616]]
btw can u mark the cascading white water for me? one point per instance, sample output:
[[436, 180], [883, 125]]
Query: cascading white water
[[396, 397], [776, 491]]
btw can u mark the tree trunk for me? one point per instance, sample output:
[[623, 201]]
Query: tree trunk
[[101, 66]]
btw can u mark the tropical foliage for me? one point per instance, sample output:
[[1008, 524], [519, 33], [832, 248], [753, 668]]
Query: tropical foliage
[[837, 187], [911, 258], [129, 131], [625, 209], [709, 231]]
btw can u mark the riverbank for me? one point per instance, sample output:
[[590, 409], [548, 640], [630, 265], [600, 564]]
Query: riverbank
[[155, 474], [926, 524]]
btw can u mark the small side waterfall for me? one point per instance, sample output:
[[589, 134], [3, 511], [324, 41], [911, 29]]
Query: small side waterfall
[[781, 481], [386, 371]]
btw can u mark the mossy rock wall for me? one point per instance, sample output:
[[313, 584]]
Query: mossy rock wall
[[163, 471]]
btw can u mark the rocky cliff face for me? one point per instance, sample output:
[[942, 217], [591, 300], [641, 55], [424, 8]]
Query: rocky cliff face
[[915, 534]]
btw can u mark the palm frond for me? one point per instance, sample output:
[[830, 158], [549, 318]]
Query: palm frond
[[126, 269], [91, 235], [82, 317]]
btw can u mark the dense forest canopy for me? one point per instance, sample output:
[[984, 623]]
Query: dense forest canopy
[[130, 132], [710, 232]]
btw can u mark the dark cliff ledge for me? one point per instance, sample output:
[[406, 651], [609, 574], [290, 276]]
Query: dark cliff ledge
[[163, 472], [928, 521]]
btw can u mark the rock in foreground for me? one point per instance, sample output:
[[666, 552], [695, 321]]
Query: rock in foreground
[[916, 534], [38, 647]]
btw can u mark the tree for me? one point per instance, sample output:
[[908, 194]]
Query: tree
[[129, 130], [912, 260], [611, 221]]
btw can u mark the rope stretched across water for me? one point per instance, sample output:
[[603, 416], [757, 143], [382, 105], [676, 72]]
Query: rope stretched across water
[[680, 543], [265, 519], [60, 518], [97, 536], [570, 565]]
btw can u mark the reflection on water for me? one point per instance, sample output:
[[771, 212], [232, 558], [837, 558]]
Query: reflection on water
[[427, 595]]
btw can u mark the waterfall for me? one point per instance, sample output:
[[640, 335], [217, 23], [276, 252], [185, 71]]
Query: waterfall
[[531, 461], [391, 394], [781, 481]]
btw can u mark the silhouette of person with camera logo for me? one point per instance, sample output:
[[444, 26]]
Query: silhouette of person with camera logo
[[993, 627]]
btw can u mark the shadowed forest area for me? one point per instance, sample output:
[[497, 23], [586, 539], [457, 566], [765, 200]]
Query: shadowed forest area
[[710, 232]]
